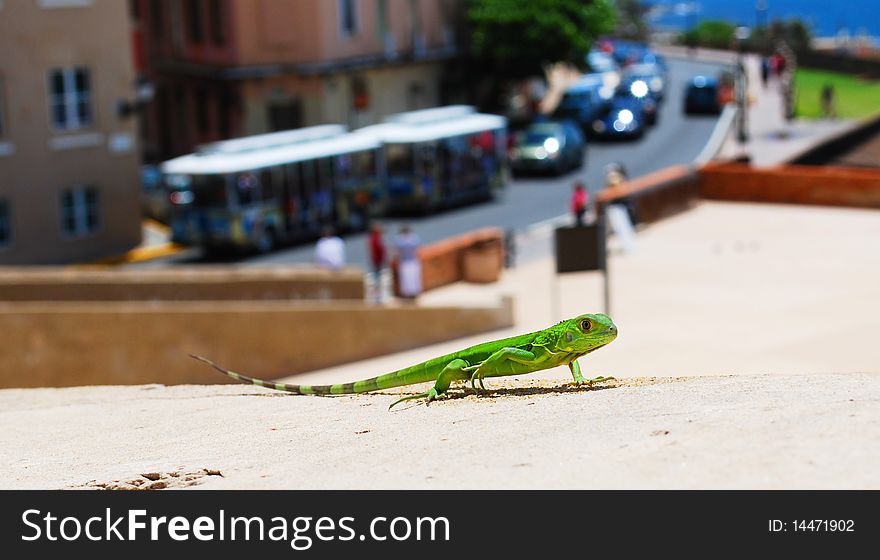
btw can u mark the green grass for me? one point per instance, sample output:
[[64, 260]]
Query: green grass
[[854, 97]]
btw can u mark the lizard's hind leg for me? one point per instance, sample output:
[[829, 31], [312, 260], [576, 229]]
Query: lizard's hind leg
[[453, 371]]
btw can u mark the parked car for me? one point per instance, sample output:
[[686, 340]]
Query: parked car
[[623, 119], [582, 101], [652, 74], [554, 146], [636, 91], [702, 95]]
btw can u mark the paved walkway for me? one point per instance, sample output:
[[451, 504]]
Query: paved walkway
[[773, 139]]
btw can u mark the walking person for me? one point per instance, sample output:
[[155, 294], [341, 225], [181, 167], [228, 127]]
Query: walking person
[[579, 200], [330, 250], [409, 266], [377, 258], [827, 100]]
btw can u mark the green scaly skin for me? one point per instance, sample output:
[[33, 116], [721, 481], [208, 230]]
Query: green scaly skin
[[561, 344]]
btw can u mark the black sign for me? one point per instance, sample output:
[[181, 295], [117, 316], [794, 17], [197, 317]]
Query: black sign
[[581, 248]]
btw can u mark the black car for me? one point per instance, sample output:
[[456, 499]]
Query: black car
[[554, 146], [623, 119], [637, 90], [702, 96]]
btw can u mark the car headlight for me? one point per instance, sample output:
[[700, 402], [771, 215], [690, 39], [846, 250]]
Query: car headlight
[[639, 88], [625, 116], [551, 145], [540, 153], [599, 126]]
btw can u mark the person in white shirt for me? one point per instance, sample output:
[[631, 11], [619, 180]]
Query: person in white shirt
[[330, 251]]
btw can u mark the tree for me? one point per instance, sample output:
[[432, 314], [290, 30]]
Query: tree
[[631, 22], [518, 38], [710, 33]]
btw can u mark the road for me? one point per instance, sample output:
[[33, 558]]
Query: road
[[676, 139]]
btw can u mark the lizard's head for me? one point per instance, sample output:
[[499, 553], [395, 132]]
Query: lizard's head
[[587, 332]]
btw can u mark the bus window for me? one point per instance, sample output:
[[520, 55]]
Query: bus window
[[322, 198], [365, 164], [246, 189], [267, 184], [293, 202], [400, 159], [208, 191], [345, 172]]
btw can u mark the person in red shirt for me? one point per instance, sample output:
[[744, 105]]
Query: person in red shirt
[[579, 200], [378, 255]]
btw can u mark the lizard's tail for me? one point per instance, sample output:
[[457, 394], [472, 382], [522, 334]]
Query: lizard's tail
[[387, 381]]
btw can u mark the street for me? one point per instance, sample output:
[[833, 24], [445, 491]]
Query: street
[[676, 139]]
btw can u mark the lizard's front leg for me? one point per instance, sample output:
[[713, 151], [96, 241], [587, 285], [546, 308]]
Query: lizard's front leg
[[579, 377], [500, 363]]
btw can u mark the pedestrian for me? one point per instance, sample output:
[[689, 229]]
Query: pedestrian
[[409, 267], [765, 70], [827, 99], [377, 258], [579, 200], [330, 250]]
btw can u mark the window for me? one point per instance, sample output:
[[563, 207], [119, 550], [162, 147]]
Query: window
[[134, 11], [79, 211], [284, 115], [70, 98], [216, 20], [348, 23], [196, 24], [156, 16], [2, 122], [202, 118], [382, 19], [5, 225]]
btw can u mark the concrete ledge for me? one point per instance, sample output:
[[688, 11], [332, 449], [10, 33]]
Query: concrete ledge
[[737, 431], [444, 263], [656, 195], [179, 283], [148, 342]]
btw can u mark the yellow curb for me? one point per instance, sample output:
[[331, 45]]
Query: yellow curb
[[156, 225], [141, 254]]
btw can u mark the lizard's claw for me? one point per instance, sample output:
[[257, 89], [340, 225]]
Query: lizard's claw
[[599, 379], [477, 376], [429, 395]]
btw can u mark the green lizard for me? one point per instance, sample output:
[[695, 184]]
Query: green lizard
[[561, 344]]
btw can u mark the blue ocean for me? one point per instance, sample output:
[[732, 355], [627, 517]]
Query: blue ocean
[[826, 18]]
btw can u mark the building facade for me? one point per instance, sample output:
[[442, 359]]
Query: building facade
[[227, 68], [69, 182]]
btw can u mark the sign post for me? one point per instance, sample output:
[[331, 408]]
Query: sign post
[[583, 248]]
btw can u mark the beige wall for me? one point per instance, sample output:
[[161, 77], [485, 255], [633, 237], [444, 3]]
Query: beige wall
[[219, 283], [270, 31], [329, 99], [34, 40], [149, 342]]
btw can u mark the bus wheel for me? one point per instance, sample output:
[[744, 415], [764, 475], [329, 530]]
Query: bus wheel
[[267, 241]]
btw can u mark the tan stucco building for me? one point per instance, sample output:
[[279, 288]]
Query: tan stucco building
[[69, 183], [226, 68]]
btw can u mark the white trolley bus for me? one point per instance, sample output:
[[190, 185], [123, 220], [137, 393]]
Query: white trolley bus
[[257, 191], [443, 157]]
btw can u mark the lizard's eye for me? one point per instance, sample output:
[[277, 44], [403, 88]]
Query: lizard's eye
[[585, 325]]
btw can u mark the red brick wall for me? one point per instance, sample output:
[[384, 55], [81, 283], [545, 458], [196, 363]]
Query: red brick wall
[[792, 184]]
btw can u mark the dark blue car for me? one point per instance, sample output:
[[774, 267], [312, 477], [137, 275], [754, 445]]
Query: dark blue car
[[702, 96], [624, 118], [583, 101], [636, 90]]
